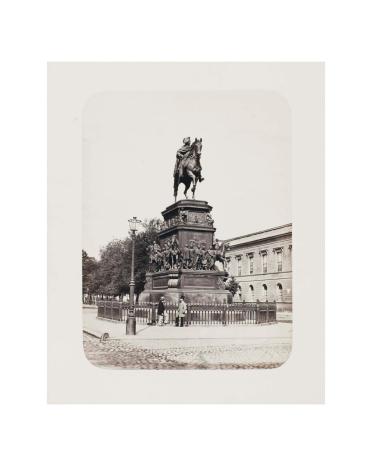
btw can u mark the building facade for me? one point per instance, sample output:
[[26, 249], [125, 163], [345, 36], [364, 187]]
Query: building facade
[[261, 262]]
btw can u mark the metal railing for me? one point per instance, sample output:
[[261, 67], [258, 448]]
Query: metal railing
[[197, 314]]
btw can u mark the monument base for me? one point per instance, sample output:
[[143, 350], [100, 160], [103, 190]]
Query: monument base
[[198, 287], [194, 264], [172, 296]]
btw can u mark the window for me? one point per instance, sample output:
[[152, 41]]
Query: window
[[279, 292], [264, 293], [239, 267], [264, 262], [251, 293], [251, 264], [279, 258]]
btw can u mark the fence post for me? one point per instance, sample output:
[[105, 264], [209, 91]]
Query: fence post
[[224, 308], [188, 315], [257, 312]]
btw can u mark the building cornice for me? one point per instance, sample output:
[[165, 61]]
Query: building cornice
[[260, 241], [285, 274], [260, 232]]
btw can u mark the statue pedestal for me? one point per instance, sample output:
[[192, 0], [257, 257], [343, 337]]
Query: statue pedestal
[[198, 286], [189, 222]]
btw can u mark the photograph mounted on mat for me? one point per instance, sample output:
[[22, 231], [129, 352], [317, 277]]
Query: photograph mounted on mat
[[175, 192]]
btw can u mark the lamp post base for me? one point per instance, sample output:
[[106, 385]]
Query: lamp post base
[[131, 325]]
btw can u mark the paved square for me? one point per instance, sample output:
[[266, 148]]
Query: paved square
[[193, 347]]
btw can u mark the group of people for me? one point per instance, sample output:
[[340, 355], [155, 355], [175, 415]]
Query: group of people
[[194, 256], [181, 312]]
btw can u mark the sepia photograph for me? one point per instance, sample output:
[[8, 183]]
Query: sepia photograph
[[187, 230]]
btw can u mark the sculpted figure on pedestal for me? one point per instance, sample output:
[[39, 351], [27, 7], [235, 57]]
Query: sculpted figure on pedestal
[[203, 257], [186, 257], [198, 257], [183, 216], [166, 256], [175, 253], [187, 168], [181, 154], [212, 258], [220, 253], [209, 220], [158, 260], [193, 255]]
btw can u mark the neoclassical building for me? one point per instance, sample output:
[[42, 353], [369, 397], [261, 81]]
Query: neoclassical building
[[262, 264]]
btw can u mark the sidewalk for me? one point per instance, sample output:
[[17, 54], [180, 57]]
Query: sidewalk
[[251, 334]]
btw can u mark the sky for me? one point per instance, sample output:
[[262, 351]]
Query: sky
[[129, 150]]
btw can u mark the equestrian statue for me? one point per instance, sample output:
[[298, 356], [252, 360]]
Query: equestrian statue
[[188, 169]]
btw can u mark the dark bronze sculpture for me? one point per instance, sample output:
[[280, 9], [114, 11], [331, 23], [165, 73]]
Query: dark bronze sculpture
[[188, 169], [186, 259], [196, 256], [184, 217]]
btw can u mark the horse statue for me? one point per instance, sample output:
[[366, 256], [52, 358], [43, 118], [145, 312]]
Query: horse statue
[[189, 170], [220, 251]]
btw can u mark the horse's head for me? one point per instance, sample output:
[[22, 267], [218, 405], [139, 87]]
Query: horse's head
[[197, 147]]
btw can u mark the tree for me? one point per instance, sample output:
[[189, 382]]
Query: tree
[[113, 270], [89, 268], [112, 275], [143, 240], [232, 285]]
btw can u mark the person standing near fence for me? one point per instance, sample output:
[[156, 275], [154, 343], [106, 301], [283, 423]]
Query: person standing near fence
[[161, 310], [181, 312]]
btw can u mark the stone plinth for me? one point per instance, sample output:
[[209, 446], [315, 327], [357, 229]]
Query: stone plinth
[[198, 286], [187, 220], [190, 223]]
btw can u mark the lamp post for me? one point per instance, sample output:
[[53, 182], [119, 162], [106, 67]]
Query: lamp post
[[131, 320]]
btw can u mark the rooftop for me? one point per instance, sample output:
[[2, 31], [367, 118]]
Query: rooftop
[[268, 233]]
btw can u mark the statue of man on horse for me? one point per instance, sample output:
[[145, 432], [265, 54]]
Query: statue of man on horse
[[188, 169]]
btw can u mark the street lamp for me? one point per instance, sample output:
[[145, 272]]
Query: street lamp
[[131, 320]]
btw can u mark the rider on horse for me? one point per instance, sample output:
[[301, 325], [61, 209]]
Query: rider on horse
[[183, 153]]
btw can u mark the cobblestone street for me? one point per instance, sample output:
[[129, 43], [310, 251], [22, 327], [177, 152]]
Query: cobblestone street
[[194, 347], [183, 354]]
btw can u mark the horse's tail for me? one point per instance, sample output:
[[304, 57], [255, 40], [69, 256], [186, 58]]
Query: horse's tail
[[175, 183]]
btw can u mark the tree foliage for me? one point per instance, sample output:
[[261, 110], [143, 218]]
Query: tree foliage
[[232, 285], [111, 274], [143, 240], [112, 268], [89, 268]]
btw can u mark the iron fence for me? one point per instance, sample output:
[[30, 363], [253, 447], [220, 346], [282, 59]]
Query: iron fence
[[197, 314]]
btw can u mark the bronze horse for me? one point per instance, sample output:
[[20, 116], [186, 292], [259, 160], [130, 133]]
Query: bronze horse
[[190, 168]]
